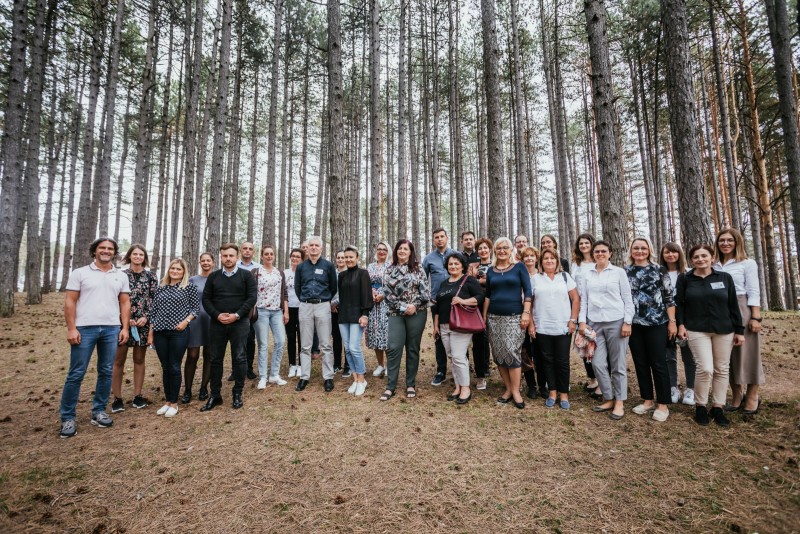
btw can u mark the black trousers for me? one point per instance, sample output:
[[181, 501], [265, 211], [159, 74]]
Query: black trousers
[[222, 334], [337, 342], [293, 335], [251, 347], [536, 375], [170, 347], [650, 360], [480, 354], [441, 355], [555, 360]]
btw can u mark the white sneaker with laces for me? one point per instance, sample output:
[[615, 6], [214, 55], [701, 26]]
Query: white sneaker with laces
[[162, 410], [262, 383], [688, 397], [360, 388], [676, 395], [352, 389], [277, 380], [481, 384], [378, 371]]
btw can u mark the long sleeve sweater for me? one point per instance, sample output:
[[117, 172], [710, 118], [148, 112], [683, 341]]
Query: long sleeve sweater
[[355, 295], [229, 294]]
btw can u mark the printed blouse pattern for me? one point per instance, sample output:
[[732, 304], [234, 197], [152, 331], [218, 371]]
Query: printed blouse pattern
[[403, 287], [651, 290]]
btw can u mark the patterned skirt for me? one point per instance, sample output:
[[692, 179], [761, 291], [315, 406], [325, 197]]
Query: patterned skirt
[[505, 339], [378, 327]]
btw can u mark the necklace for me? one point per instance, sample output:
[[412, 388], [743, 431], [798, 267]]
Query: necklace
[[503, 270]]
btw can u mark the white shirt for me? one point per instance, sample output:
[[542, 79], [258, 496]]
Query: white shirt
[[579, 271], [98, 302], [551, 305], [745, 278], [606, 296], [294, 302]]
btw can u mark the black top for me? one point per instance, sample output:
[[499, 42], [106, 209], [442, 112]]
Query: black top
[[229, 294], [708, 304], [314, 281], [355, 295], [448, 290], [472, 257], [564, 265]]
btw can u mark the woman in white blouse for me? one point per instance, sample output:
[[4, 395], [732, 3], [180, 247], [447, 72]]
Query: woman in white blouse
[[582, 261], [273, 314], [607, 307], [296, 257], [746, 371], [555, 315]]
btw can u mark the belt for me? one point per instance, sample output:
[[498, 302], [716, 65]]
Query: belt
[[314, 301]]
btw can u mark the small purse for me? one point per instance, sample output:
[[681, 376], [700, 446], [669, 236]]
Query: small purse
[[254, 310], [466, 319]]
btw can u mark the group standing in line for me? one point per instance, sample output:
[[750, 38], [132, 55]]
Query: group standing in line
[[531, 301]]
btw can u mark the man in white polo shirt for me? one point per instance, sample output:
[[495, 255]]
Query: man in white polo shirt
[[97, 310]]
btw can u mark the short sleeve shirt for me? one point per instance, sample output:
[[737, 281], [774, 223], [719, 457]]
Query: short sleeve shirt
[[98, 302], [552, 308]]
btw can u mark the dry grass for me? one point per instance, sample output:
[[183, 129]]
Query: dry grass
[[312, 461]]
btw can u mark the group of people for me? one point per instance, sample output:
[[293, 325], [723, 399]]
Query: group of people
[[535, 306]]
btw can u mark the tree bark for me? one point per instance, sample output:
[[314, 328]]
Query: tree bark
[[375, 139], [268, 231], [336, 175]]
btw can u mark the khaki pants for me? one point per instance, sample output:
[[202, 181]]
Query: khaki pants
[[712, 354]]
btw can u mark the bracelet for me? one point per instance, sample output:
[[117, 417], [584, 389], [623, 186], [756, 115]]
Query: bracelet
[[523, 313], [757, 319]]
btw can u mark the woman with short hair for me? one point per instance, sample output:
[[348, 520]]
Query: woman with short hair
[[507, 313], [480, 343], [747, 369], [533, 368], [143, 283], [175, 306], [378, 324]]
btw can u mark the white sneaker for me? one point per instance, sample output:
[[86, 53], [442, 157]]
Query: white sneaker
[[162, 410], [277, 380], [360, 388], [171, 412], [660, 416], [298, 371], [352, 389], [676, 395], [481, 384], [262, 383], [688, 397], [378, 371], [292, 371]]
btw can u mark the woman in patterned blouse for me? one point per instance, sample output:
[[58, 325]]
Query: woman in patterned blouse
[[143, 284], [407, 292], [653, 324], [273, 314], [175, 305]]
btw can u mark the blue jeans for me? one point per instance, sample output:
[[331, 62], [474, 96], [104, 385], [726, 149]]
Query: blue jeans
[[270, 320], [105, 338], [170, 347], [351, 341]]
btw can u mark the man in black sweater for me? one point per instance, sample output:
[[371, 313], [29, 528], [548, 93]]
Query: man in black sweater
[[228, 297]]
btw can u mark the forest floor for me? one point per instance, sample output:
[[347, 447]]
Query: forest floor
[[312, 461]]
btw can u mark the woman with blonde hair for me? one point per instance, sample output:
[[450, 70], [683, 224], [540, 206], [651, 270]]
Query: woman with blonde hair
[[507, 313], [175, 305], [747, 370], [377, 333]]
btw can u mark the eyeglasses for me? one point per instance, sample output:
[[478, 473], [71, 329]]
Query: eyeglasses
[[383, 250], [598, 251], [503, 248]]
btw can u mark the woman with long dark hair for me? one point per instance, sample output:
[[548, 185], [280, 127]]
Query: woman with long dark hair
[[198, 336]]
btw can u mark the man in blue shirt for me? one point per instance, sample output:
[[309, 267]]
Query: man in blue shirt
[[315, 283], [434, 267]]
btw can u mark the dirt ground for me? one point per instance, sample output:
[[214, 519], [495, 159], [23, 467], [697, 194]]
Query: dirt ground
[[312, 461]]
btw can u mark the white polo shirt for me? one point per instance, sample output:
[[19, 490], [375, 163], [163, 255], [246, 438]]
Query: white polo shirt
[[98, 302], [552, 308]]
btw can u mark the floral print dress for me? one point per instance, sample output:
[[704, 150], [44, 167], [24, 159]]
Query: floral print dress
[[378, 325], [143, 287]]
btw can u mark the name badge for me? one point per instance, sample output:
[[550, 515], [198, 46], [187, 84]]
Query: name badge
[[717, 285], [319, 271]]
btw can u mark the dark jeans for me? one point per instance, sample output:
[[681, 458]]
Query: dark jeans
[[405, 332], [536, 375], [555, 360], [647, 348], [441, 355], [170, 347], [235, 333], [480, 354], [251, 347], [293, 335]]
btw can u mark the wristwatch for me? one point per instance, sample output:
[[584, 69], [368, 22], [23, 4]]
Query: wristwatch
[[573, 321]]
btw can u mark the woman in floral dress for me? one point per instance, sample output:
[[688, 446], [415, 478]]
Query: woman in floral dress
[[378, 325]]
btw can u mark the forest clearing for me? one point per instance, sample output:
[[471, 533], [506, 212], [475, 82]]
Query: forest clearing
[[317, 461]]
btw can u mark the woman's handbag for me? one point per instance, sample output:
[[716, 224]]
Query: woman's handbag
[[254, 310], [466, 319]]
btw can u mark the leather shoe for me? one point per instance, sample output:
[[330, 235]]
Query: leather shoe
[[251, 375], [203, 395], [212, 402], [301, 385], [237, 401], [186, 398], [328, 385]]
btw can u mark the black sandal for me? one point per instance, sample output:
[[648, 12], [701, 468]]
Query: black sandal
[[411, 392], [388, 394]]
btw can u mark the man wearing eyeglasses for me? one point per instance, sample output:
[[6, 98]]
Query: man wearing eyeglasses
[[520, 243]]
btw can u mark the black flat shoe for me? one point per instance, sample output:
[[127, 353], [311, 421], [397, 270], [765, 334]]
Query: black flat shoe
[[452, 396], [186, 398], [531, 393], [203, 395], [212, 402], [503, 400], [465, 400], [731, 408], [328, 385], [237, 401], [251, 375], [519, 405], [751, 412], [701, 415], [301, 385]]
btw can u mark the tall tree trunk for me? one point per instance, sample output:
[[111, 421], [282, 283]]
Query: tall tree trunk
[[683, 127], [163, 164], [519, 138], [268, 231], [251, 197], [304, 148], [220, 124], [122, 161], [649, 186], [402, 173], [335, 148], [494, 137], [780, 37], [191, 219], [375, 138]]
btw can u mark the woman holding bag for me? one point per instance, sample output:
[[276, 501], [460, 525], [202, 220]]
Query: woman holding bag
[[458, 290]]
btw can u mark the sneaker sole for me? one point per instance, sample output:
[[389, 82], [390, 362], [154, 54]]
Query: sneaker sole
[[66, 436], [100, 425], [118, 410], [138, 407]]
